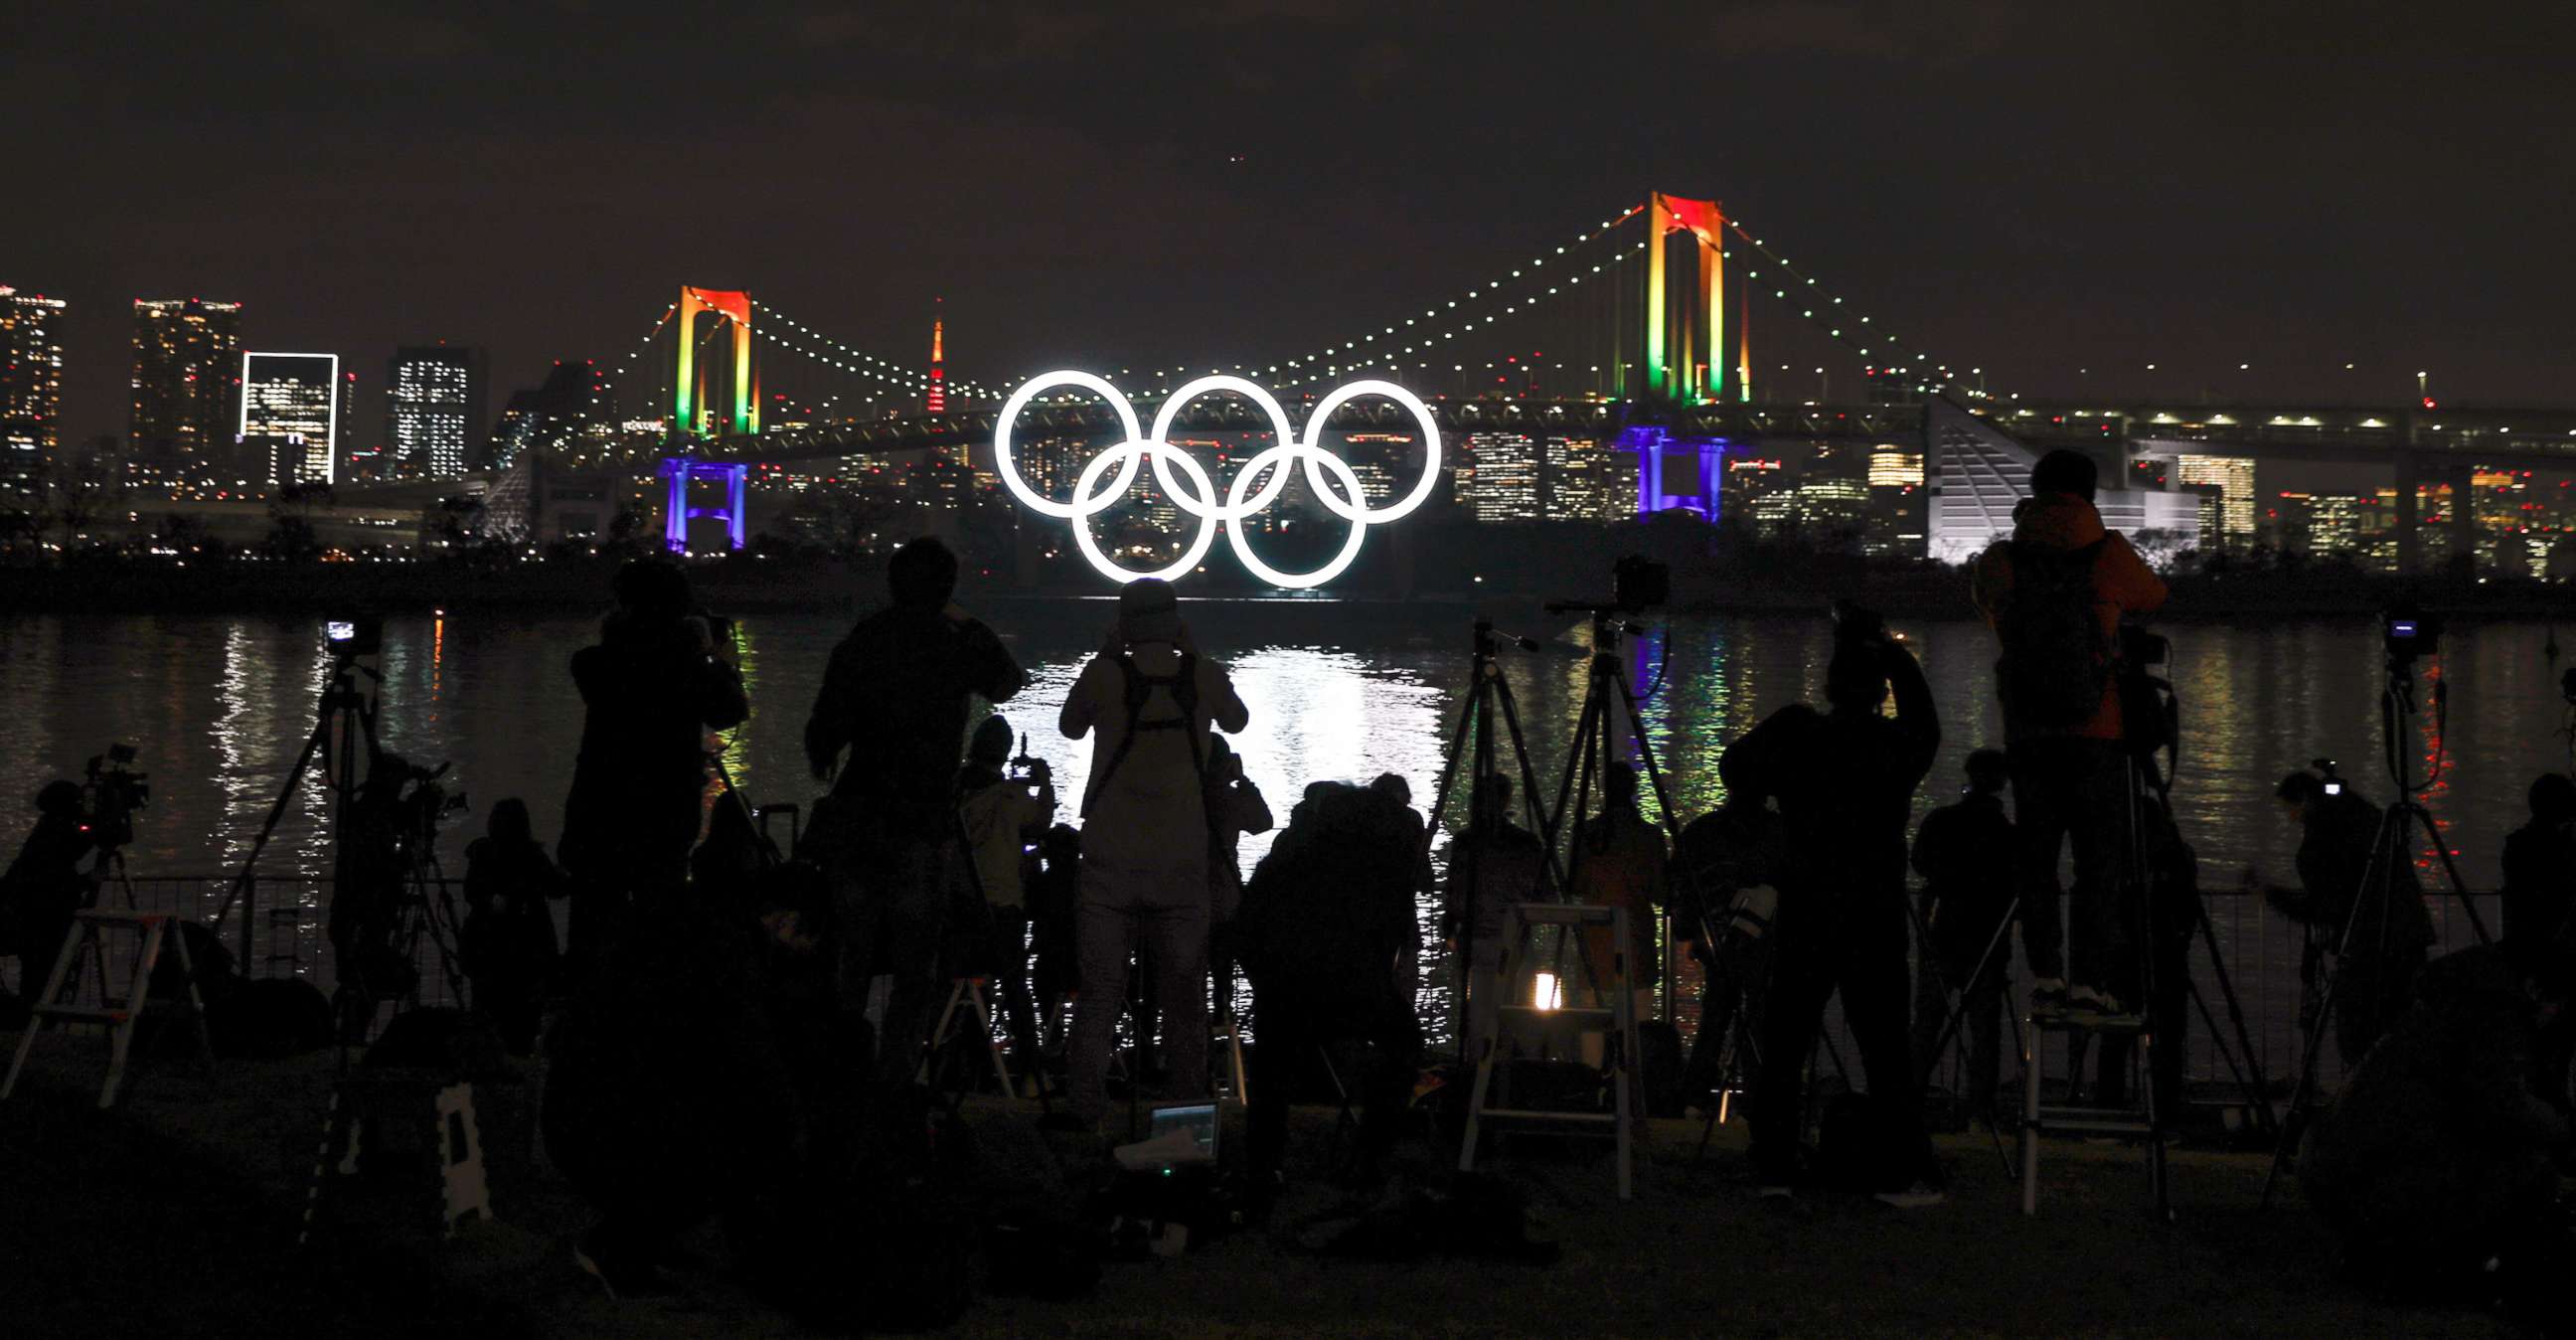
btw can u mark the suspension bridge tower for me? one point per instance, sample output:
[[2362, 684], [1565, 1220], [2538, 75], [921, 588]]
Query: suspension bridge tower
[[691, 415], [1685, 351]]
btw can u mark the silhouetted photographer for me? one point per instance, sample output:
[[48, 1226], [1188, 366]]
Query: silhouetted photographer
[[658, 680], [2389, 929], [1325, 933], [1150, 703], [1845, 780], [896, 696], [2055, 593], [1731, 856], [45, 885], [1964, 851]]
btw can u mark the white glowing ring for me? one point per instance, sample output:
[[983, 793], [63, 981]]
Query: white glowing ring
[[1194, 493], [1126, 455], [1010, 473]]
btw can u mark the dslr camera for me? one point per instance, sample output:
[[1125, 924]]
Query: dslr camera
[[112, 793], [1639, 583]]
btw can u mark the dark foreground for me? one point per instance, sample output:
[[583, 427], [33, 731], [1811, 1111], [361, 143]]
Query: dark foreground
[[177, 1216]]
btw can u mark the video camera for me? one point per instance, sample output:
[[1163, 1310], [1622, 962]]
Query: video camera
[[2409, 633], [1637, 584], [2328, 780], [112, 793], [353, 637], [423, 805]]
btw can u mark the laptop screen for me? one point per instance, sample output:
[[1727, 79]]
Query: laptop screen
[[1199, 1119]]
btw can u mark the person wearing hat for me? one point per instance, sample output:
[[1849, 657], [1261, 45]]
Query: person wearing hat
[[1148, 701], [44, 886], [1003, 817]]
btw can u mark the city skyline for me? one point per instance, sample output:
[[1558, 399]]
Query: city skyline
[[2181, 205]]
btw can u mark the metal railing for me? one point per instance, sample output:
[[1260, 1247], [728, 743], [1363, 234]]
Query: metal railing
[[276, 928]]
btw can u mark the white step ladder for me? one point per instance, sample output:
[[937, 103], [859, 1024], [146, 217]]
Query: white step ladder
[[1555, 1027], [2038, 1119], [122, 1013]]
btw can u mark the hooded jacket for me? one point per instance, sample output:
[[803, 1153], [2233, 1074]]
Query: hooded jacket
[[2122, 584]]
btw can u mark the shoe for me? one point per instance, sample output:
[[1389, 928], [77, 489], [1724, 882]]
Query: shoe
[[2085, 1004], [1779, 1197], [622, 1278], [1914, 1197], [2048, 997]]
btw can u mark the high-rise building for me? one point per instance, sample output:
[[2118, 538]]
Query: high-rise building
[[290, 414], [1590, 479], [434, 409], [551, 417], [31, 381], [2233, 479], [187, 371], [1505, 483]]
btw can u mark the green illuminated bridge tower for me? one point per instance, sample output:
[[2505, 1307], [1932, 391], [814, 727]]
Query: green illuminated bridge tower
[[691, 416]]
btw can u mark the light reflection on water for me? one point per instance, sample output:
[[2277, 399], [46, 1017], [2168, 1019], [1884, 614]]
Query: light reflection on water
[[221, 706]]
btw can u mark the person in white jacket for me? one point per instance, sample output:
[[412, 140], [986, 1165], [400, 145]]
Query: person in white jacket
[[1149, 701]]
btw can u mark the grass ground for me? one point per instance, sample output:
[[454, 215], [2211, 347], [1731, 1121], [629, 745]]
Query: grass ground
[[176, 1215]]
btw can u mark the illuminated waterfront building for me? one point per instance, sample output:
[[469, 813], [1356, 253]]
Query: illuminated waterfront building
[[290, 415], [1590, 480], [31, 381], [2232, 479], [556, 418], [434, 409], [1504, 484], [186, 386]]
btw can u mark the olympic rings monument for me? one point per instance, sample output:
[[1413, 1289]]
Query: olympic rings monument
[[1194, 493]]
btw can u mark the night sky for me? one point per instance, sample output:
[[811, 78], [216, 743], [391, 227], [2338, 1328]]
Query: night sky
[[2032, 188]]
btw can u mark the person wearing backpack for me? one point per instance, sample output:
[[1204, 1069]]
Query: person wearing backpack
[[2055, 594], [1149, 701]]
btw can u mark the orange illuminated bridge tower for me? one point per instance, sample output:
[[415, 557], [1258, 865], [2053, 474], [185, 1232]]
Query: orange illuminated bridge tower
[[691, 415], [1685, 358]]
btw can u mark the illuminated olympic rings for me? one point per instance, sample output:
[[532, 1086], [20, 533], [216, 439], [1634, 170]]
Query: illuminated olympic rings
[[1195, 494]]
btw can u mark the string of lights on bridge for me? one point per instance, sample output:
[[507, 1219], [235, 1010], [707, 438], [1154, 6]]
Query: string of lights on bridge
[[1324, 363], [879, 368], [1849, 337]]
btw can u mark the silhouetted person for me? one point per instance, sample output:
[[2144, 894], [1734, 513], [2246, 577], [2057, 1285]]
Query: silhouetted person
[[508, 941], [44, 886], [1492, 865], [1964, 851], [1845, 780], [2540, 871], [896, 696], [1619, 862], [2375, 979], [1149, 701], [1725, 888], [2436, 1155], [1235, 808], [2055, 594], [1003, 817], [651, 689], [1327, 926], [1426, 888]]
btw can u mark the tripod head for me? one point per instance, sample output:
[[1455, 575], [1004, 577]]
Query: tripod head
[[1489, 639]]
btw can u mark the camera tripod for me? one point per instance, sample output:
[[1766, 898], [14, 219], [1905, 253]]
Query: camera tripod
[[1472, 744], [2401, 825], [345, 718], [1608, 704]]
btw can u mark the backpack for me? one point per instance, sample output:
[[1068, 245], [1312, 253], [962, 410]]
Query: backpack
[[2057, 661], [1183, 684]]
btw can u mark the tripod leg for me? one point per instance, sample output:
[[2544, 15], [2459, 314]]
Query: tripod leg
[[268, 826], [2249, 1076], [1529, 774], [2450, 868], [2383, 846]]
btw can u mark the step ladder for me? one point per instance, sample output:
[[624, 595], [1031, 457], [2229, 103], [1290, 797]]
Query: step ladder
[[121, 1014], [1553, 1027], [2038, 1119]]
